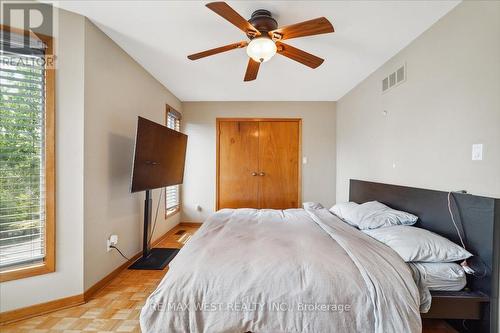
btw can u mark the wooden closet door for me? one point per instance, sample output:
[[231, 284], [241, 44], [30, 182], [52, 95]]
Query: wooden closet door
[[279, 164], [238, 164]]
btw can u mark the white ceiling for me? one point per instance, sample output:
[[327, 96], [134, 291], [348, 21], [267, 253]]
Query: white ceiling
[[160, 34]]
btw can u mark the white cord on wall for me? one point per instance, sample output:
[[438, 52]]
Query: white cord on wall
[[453, 220], [464, 263]]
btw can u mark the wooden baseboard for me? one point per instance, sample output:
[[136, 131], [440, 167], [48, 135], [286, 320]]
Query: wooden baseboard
[[87, 295], [62, 303], [190, 224], [39, 309], [108, 278]]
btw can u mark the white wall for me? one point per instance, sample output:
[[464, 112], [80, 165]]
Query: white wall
[[67, 280], [451, 100], [100, 91], [117, 90], [318, 144]]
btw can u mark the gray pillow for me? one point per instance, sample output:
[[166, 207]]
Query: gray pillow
[[416, 244], [311, 205], [345, 211], [445, 276], [372, 215]]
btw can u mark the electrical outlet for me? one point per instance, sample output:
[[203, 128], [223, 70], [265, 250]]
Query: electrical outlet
[[112, 240]]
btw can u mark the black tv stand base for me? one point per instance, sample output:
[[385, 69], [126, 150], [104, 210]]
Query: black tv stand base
[[157, 259]]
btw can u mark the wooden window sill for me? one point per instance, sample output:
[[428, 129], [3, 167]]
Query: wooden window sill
[[26, 271]]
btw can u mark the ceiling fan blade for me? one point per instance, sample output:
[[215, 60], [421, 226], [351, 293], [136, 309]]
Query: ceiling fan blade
[[217, 50], [252, 70], [316, 26], [298, 55], [224, 10]]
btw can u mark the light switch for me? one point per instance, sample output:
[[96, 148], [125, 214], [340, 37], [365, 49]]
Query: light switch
[[304, 160], [477, 152]]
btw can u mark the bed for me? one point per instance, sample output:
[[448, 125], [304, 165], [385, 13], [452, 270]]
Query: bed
[[283, 271], [298, 270], [476, 308]]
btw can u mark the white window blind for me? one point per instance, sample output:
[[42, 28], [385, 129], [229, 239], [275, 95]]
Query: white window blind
[[172, 193], [22, 135], [172, 198], [174, 120]]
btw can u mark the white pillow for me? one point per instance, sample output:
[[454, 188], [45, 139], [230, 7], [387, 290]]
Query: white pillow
[[445, 276], [416, 244], [372, 215], [345, 211]]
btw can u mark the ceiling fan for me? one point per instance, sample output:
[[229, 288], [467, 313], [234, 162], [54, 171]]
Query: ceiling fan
[[266, 38]]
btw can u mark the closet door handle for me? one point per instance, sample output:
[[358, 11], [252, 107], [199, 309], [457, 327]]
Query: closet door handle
[[254, 173], [261, 174]]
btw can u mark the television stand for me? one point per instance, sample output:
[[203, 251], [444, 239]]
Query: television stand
[[156, 258]]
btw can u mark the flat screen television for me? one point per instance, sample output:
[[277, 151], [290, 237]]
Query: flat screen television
[[159, 156]]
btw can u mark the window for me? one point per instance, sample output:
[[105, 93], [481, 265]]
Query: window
[[27, 143], [172, 196]]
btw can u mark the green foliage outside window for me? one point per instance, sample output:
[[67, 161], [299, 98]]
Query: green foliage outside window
[[21, 152]]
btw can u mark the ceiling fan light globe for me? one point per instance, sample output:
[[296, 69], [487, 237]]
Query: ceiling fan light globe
[[261, 49]]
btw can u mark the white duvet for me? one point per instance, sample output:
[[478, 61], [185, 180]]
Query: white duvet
[[283, 271]]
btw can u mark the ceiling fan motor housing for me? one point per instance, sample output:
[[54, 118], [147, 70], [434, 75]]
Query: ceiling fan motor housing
[[263, 21]]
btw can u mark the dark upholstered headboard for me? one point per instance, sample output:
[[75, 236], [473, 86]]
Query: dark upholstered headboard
[[478, 216]]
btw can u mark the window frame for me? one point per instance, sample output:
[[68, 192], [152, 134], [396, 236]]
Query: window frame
[[48, 265], [178, 208]]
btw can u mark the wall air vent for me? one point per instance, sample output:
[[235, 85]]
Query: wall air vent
[[385, 84], [394, 79]]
